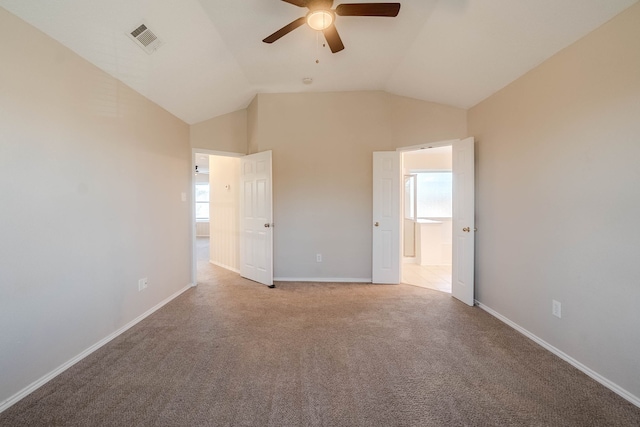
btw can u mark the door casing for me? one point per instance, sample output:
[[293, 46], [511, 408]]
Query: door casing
[[463, 250]]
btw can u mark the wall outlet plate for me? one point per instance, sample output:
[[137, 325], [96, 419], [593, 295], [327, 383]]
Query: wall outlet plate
[[318, 257]]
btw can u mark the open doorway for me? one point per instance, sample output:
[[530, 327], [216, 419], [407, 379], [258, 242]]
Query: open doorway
[[216, 212], [427, 218], [202, 204]]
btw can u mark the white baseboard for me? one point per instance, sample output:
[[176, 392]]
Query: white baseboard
[[324, 279], [596, 376], [227, 267], [60, 369]]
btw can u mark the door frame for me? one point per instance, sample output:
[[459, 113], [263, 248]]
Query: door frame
[[443, 143], [401, 150], [192, 210]]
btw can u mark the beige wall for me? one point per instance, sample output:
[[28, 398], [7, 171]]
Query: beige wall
[[224, 179], [416, 122], [322, 170], [91, 176], [223, 133], [558, 200]]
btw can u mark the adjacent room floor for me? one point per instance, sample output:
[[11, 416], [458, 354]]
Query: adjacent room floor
[[437, 277]]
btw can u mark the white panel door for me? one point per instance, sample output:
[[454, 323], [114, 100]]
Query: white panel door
[[386, 217], [256, 218], [462, 286]]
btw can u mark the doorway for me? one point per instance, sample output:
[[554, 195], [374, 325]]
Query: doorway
[[427, 201], [215, 211], [202, 204], [387, 205]]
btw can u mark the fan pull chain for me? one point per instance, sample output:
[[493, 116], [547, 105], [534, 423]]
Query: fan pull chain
[[317, 46]]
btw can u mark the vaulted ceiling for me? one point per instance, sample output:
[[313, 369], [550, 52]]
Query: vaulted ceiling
[[213, 61]]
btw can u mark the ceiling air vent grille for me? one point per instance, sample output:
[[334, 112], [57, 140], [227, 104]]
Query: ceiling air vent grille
[[145, 38]]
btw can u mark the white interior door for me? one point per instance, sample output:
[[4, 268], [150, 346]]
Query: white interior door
[[462, 286], [386, 217], [256, 218]]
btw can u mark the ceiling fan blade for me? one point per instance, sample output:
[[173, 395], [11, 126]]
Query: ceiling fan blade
[[333, 39], [368, 9], [285, 30], [299, 3]]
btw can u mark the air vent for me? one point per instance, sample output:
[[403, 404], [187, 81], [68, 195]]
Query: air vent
[[145, 38]]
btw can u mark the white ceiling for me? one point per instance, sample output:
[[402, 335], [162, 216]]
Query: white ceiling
[[213, 61]]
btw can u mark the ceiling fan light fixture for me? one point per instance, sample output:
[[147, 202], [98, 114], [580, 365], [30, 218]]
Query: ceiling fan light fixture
[[319, 19]]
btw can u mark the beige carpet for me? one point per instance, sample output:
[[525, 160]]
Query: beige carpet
[[233, 352]]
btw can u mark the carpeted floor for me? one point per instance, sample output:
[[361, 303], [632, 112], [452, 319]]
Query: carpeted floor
[[233, 352]]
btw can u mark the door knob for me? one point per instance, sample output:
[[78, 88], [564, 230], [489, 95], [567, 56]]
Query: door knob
[[267, 225], [466, 229], [377, 224]]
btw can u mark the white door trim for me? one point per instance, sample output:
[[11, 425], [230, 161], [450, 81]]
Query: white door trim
[[427, 145]]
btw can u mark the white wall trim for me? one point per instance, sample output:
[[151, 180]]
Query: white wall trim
[[324, 279], [226, 267], [599, 378], [60, 369], [427, 145], [195, 151]]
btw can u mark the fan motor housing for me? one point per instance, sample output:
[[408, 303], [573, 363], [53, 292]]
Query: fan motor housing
[[320, 4]]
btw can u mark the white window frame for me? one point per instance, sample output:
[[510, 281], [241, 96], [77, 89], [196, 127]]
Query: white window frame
[[415, 172]]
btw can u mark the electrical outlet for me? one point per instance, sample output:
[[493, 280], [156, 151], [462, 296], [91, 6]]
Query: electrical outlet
[[318, 257], [556, 308], [142, 284]]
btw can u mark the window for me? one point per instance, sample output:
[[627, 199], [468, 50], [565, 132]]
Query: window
[[202, 202], [434, 194]]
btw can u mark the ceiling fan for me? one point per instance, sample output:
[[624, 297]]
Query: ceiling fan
[[321, 17]]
